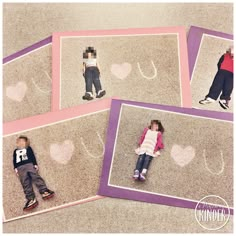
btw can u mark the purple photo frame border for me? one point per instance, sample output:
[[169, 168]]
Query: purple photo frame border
[[110, 191], [26, 50], [194, 40]]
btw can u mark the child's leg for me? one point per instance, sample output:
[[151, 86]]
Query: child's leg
[[216, 86], [37, 179], [139, 163], [26, 182], [227, 87], [88, 80], [146, 164], [96, 80], [97, 83]]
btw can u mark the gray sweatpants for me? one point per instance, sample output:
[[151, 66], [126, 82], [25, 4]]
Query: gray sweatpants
[[29, 175]]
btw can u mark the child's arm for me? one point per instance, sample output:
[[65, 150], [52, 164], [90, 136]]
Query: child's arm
[[14, 162], [98, 67], [143, 136], [220, 61], [159, 143], [30, 154], [14, 159], [84, 67]]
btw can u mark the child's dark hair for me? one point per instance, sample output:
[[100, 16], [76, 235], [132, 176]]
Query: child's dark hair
[[25, 138], [89, 50], [160, 126]]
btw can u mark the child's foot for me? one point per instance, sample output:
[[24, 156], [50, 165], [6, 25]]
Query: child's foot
[[100, 93], [88, 96], [142, 177], [47, 194], [224, 104], [207, 100], [136, 175], [30, 204]]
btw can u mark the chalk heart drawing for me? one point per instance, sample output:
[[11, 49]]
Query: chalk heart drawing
[[121, 71], [62, 153], [182, 156], [17, 92]]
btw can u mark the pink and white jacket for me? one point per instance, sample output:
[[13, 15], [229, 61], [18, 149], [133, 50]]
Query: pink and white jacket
[[150, 142]]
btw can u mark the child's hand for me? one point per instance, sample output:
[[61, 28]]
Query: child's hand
[[36, 167], [16, 172], [137, 150], [157, 153]]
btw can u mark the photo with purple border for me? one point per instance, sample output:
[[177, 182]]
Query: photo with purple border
[[194, 41], [27, 50], [106, 190]]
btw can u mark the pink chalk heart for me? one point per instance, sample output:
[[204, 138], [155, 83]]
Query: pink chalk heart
[[62, 153], [182, 156], [121, 71], [17, 92]]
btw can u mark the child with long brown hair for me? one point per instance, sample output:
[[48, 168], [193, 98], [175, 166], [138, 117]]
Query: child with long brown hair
[[150, 145]]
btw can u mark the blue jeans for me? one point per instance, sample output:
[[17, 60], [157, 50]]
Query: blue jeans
[[91, 76], [143, 162]]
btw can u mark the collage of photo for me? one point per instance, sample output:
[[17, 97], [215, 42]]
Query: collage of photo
[[142, 114]]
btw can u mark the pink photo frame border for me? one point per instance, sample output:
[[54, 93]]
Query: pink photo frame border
[[13, 127], [182, 46]]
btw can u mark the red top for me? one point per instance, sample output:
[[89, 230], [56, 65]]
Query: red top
[[159, 143], [227, 63]]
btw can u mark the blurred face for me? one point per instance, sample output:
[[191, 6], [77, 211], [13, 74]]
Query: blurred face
[[21, 143], [89, 55], [155, 126]]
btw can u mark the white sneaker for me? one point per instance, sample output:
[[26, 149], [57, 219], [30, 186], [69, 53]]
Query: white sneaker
[[207, 100], [142, 177], [101, 93], [224, 104], [136, 175]]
